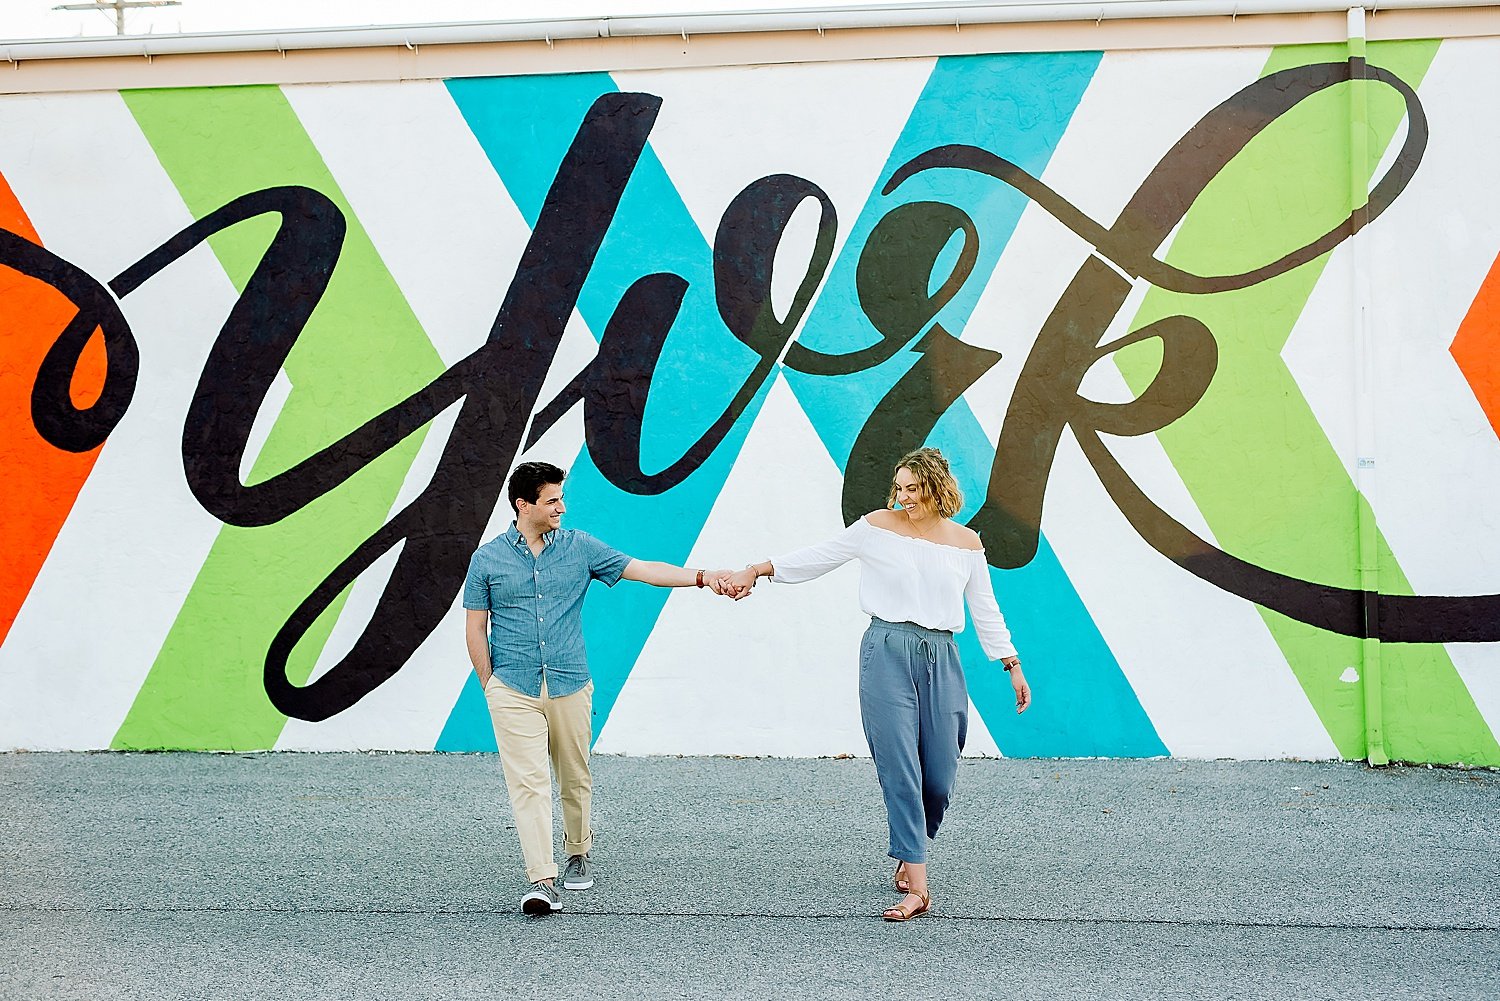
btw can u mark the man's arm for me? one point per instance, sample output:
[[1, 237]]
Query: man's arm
[[666, 575], [476, 629]]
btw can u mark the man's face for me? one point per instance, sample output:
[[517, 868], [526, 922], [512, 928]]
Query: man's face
[[546, 514]]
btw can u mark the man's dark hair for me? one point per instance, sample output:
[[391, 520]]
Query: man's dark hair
[[527, 481]]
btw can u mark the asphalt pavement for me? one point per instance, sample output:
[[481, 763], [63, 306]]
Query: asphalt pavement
[[330, 876]]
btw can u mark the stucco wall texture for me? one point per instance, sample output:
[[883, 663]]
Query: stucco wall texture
[[1210, 336]]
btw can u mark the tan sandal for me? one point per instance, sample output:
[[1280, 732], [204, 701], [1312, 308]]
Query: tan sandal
[[901, 912], [899, 880]]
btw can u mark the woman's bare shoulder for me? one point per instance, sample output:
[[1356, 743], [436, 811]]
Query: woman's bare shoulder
[[884, 518], [963, 537]]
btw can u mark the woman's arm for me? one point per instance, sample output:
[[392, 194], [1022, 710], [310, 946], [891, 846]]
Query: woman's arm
[[744, 580], [994, 635], [807, 563]]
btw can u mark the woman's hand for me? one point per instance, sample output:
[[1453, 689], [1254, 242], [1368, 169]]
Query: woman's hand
[[717, 581], [740, 582], [1018, 682]]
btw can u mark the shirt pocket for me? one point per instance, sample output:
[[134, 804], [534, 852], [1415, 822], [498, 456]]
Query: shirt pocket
[[513, 587]]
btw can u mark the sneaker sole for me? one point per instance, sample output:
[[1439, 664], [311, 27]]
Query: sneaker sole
[[577, 886], [537, 906]]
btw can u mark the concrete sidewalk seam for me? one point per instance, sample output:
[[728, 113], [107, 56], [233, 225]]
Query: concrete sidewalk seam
[[841, 916]]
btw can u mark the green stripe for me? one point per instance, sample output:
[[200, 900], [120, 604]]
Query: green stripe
[[362, 351], [1252, 454]]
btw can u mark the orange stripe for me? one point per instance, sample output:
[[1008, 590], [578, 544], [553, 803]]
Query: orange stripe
[[41, 481], [1476, 347]]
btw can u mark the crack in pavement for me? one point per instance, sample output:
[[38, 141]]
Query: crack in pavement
[[777, 915]]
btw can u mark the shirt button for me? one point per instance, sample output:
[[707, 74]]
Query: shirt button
[[544, 667], [544, 642], [540, 619]]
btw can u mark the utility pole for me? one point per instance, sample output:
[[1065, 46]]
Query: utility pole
[[119, 7]]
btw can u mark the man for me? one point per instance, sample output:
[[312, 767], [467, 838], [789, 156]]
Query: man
[[528, 586]]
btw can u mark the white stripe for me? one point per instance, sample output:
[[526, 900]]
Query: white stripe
[[1201, 662], [718, 131], [775, 673], [134, 542], [831, 123]]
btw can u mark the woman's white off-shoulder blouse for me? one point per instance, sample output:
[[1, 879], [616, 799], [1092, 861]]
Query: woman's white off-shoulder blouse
[[904, 579]]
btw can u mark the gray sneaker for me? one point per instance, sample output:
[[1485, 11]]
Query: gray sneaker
[[578, 874], [541, 899]]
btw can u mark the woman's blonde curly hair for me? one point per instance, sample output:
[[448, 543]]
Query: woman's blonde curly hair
[[928, 467]]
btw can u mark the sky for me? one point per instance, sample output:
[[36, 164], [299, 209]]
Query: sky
[[21, 19]]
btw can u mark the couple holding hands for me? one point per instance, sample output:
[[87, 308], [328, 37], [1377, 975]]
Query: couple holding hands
[[524, 598]]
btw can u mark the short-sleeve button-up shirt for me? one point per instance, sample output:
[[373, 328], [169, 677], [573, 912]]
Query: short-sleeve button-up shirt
[[536, 605]]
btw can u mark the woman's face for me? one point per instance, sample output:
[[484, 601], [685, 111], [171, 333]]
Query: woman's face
[[909, 494]]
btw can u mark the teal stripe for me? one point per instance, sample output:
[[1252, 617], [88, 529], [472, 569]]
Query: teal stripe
[[1017, 106], [468, 727], [524, 125]]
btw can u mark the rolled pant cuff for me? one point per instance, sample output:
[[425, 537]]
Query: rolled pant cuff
[[579, 847], [541, 872], [913, 858]]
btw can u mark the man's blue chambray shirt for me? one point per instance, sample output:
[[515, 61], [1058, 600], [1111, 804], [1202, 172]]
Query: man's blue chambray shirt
[[536, 604]]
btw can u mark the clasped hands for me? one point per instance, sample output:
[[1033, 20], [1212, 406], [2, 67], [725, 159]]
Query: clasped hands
[[734, 584]]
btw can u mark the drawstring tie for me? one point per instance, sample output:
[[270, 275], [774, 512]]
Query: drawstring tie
[[926, 646]]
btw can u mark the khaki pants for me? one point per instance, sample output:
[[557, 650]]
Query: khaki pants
[[528, 732]]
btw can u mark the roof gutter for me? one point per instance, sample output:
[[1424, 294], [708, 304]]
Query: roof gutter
[[686, 25]]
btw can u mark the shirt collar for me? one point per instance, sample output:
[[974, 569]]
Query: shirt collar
[[519, 541]]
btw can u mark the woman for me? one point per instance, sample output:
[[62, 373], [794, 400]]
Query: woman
[[918, 566]]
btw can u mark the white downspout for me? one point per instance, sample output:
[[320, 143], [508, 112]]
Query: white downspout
[[1364, 394]]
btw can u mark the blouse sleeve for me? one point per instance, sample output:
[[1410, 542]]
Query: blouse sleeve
[[814, 561], [989, 624]]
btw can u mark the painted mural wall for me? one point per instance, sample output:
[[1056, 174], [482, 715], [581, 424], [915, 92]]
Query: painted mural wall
[[1229, 433]]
